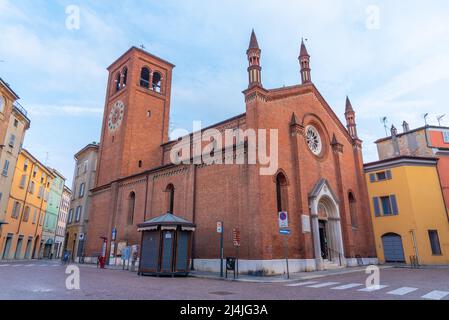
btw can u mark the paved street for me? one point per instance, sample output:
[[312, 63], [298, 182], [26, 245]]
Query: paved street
[[46, 280]]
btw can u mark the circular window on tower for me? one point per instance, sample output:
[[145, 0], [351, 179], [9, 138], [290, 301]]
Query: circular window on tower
[[314, 141]]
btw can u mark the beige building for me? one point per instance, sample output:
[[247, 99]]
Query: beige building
[[78, 217], [64, 207]]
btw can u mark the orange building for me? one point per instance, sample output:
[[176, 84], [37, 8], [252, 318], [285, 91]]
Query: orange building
[[427, 141], [22, 235]]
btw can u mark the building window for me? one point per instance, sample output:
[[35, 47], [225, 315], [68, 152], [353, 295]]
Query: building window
[[26, 214], [281, 192], [446, 136], [381, 176], [170, 190], [86, 166], [70, 219], [35, 216], [145, 78], [117, 82], [156, 85], [82, 187], [78, 213], [15, 210], [22, 181], [385, 206], [125, 76], [5, 168], [41, 192], [353, 209], [31, 188], [35, 172], [16, 123], [131, 207], [435, 242], [25, 165], [12, 140], [140, 163]]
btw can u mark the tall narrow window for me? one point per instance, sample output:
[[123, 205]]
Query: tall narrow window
[[352, 209], [125, 76], [281, 192], [5, 168], [82, 188], [12, 140], [117, 82], [156, 85], [145, 78], [435, 242], [131, 207], [171, 198]]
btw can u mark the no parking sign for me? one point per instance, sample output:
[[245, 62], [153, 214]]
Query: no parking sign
[[283, 220]]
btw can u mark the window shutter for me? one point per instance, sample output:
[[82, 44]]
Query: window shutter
[[388, 174], [376, 207], [372, 177], [394, 205]]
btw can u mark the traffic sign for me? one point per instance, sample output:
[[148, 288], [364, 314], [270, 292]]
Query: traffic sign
[[283, 220], [285, 232], [236, 237], [219, 227]]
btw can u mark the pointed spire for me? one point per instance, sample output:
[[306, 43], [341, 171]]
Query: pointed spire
[[253, 44], [303, 52], [348, 105], [295, 120], [253, 53], [304, 62]]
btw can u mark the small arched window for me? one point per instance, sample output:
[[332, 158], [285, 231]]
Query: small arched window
[[156, 85], [131, 207], [352, 209], [281, 192], [170, 198], [125, 76], [117, 82], [145, 78]]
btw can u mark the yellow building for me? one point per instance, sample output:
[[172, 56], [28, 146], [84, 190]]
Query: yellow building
[[21, 236], [408, 212]]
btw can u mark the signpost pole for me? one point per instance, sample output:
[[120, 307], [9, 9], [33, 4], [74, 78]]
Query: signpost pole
[[286, 255], [221, 250]]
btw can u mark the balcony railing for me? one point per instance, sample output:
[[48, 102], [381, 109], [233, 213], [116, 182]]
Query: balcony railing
[[21, 109]]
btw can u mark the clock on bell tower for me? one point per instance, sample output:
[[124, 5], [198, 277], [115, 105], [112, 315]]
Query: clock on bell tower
[[136, 115]]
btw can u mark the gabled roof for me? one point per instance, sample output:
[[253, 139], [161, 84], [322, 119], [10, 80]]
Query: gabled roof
[[167, 219]]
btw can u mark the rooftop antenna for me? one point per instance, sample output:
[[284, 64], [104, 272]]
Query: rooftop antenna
[[384, 121], [142, 47], [425, 118], [439, 119]]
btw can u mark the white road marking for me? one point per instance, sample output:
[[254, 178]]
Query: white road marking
[[3, 265], [16, 265], [347, 286], [299, 284], [373, 288], [322, 285], [436, 295], [402, 291]]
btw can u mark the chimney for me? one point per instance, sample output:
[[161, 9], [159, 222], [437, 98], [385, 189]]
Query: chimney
[[405, 127]]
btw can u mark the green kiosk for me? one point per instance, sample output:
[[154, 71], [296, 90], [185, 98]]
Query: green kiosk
[[166, 247]]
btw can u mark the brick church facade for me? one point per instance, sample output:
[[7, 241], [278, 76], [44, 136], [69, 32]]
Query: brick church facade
[[319, 180]]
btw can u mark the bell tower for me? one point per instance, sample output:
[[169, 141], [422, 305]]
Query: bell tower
[[136, 115]]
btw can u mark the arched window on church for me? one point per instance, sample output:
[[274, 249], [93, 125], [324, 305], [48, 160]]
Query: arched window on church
[[145, 78], [353, 209], [131, 207], [117, 82], [170, 197], [281, 192], [125, 76], [156, 85]]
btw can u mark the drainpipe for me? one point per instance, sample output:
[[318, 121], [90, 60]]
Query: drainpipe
[[414, 245]]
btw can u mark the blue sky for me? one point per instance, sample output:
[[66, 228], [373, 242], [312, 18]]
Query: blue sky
[[398, 69]]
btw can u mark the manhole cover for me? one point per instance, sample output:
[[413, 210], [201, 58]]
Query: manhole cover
[[221, 293]]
